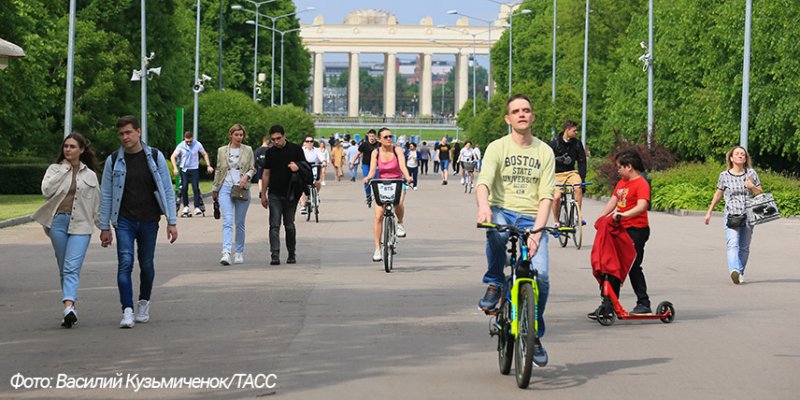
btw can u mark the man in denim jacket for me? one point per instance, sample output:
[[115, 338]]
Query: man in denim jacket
[[136, 191]]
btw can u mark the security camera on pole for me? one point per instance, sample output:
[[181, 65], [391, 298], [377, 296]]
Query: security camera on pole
[[147, 73]]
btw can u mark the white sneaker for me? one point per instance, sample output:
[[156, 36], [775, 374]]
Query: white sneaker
[[143, 311], [185, 210], [741, 279], [70, 317], [226, 258], [197, 211], [323, 183], [401, 231], [377, 255], [462, 181], [415, 188], [127, 318], [238, 258]]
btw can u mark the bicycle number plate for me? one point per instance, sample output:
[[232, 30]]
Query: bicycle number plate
[[387, 192]]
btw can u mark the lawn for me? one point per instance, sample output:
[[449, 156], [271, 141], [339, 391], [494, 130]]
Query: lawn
[[20, 205]]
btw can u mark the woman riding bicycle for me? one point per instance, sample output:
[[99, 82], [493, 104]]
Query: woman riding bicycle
[[568, 150], [391, 164], [468, 159]]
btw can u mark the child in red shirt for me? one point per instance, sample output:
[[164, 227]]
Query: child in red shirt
[[628, 205]]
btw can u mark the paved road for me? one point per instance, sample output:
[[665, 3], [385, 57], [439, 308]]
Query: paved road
[[335, 326]]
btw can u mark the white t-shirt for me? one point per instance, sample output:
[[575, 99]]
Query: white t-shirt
[[234, 175], [313, 155], [467, 155]]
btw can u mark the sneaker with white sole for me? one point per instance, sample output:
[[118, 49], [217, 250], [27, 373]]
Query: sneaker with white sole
[[741, 279], [377, 255], [198, 211], [238, 258], [226, 258], [127, 318], [70, 317], [143, 311], [401, 231]]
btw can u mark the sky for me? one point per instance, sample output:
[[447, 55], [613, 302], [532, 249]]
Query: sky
[[408, 12]]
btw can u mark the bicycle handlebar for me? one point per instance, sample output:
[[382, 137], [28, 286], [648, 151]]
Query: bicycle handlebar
[[583, 184], [522, 232]]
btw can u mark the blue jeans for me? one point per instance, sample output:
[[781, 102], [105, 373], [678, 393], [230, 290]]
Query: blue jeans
[[232, 211], [365, 172], [413, 171], [145, 234], [70, 250], [191, 176], [497, 256], [738, 246]]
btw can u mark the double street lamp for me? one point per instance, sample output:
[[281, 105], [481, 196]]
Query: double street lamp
[[238, 7], [283, 34], [489, 70]]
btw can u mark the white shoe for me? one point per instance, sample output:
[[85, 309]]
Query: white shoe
[[741, 279], [323, 183], [143, 311], [415, 188], [377, 255], [127, 318], [462, 181], [238, 258], [70, 317], [185, 210], [226, 258], [197, 211], [401, 231]]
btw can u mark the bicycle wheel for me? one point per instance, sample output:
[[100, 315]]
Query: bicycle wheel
[[505, 340], [388, 243], [315, 204], [576, 222], [563, 220], [523, 349], [309, 202]]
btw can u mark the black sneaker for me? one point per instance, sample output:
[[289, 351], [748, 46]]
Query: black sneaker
[[291, 259], [593, 315], [70, 318], [369, 202], [539, 354], [490, 299], [641, 309], [275, 260]]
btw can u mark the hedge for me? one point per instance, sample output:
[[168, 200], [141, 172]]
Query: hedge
[[22, 178]]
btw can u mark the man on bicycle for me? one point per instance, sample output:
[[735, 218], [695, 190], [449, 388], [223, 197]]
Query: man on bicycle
[[515, 187], [317, 161], [568, 150]]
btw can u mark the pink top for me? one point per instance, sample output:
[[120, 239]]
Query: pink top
[[389, 169]]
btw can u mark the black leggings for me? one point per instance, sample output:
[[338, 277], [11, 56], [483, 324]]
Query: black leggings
[[636, 274]]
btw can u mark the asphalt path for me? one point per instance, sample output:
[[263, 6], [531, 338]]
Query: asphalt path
[[336, 326]]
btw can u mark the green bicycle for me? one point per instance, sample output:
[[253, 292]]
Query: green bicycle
[[516, 318]]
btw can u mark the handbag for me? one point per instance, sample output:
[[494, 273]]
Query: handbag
[[736, 220], [761, 209], [237, 193]]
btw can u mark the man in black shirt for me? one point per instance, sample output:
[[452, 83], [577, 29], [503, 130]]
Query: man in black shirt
[[280, 163], [260, 156], [365, 151], [136, 191], [568, 150]]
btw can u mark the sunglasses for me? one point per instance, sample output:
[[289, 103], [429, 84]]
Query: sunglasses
[[309, 141], [387, 137]]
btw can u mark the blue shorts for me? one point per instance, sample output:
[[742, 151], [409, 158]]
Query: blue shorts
[[444, 164]]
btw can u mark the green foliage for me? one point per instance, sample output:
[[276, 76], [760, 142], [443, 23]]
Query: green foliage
[[220, 110], [22, 178]]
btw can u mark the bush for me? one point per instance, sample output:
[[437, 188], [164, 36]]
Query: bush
[[22, 178]]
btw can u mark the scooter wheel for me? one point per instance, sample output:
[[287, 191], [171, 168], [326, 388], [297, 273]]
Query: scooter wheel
[[666, 307], [606, 316]]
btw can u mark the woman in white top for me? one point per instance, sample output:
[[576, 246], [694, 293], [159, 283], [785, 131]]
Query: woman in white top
[[235, 168], [70, 214], [326, 159], [468, 159]]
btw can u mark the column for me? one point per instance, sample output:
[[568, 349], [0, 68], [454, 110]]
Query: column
[[425, 87], [389, 84], [319, 83], [352, 87], [462, 80]]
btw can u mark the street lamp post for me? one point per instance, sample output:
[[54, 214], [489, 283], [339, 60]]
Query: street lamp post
[[144, 63], [650, 75], [283, 34], [473, 62], [585, 74], [743, 134], [196, 71], [258, 5], [489, 67], [70, 70]]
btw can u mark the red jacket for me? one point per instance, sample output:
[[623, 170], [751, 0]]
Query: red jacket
[[613, 252]]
